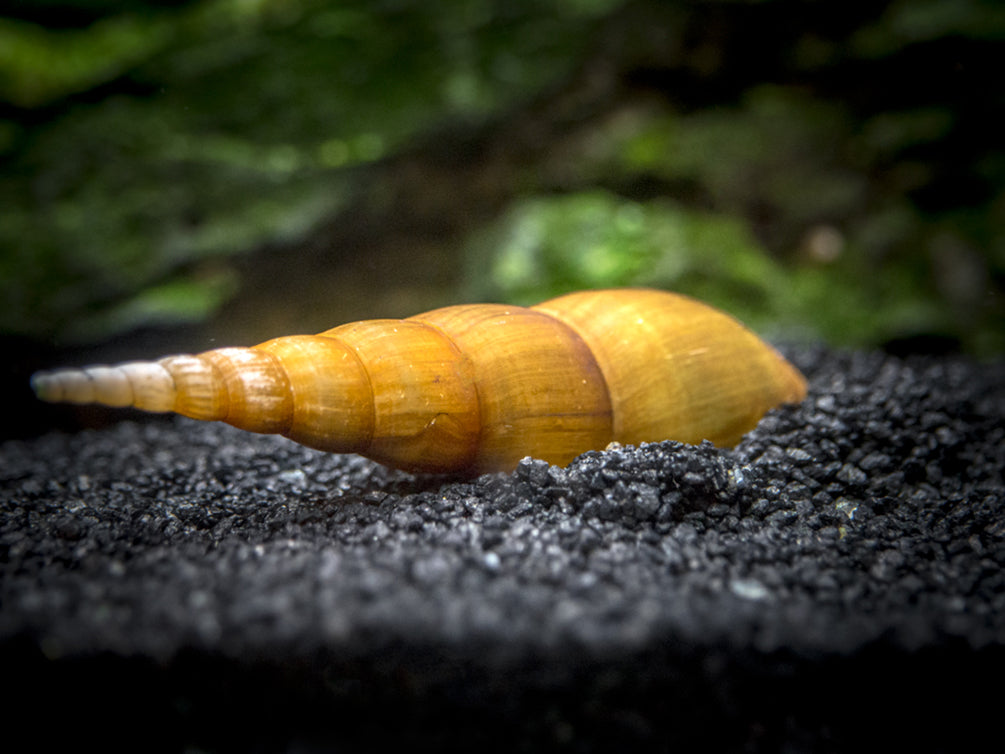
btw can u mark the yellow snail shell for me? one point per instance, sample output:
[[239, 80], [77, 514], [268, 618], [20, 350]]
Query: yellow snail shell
[[475, 388]]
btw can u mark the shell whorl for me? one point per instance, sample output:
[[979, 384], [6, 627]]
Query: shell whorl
[[474, 388]]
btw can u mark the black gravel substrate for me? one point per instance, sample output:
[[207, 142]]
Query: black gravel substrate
[[833, 583]]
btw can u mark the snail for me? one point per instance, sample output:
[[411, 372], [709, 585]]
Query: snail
[[474, 388]]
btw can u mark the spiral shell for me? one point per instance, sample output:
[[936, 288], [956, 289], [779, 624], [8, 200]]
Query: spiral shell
[[475, 388]]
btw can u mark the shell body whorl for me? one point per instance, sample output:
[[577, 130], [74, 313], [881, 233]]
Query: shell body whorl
[[677, 368], [475, 388]]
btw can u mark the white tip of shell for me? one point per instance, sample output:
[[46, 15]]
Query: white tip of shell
[[145, 385], [64, 386], [47, 386]]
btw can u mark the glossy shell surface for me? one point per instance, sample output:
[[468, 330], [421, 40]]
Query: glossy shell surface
[[476, 387]]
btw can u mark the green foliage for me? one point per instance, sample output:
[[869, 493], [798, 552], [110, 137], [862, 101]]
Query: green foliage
[[227, 125], [144, 146], [909, 21], [800, 231], [549, 245], [546, 246], [39, 66]]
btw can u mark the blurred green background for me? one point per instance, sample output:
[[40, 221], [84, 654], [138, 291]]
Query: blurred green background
[[248, 168]]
